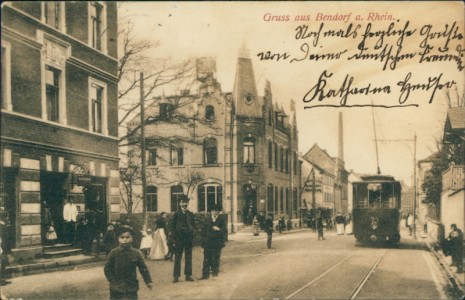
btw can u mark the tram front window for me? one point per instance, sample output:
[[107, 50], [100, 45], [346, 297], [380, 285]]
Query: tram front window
[[381, 196]]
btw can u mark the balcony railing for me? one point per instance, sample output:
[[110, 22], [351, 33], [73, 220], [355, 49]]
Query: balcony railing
[[453, 178]]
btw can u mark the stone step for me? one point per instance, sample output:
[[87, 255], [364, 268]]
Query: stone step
[[58, 247], [62, 253], [42, 265]]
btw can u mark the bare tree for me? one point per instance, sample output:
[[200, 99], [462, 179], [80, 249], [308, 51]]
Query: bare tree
[[159, 74]]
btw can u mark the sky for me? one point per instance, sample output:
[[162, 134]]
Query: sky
[[219, 29]]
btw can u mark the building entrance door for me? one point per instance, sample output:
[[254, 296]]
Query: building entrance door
[[95, 201], [249, 209], [52, 194], [8, 208]]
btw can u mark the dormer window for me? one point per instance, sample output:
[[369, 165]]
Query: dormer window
[[166, 110]]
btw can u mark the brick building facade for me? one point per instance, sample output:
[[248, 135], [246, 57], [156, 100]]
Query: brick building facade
[[59, 116], [237, 150]]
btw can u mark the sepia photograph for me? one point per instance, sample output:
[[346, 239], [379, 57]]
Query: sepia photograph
[[232, 150]]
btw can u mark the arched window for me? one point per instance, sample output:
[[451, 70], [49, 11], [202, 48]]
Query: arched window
[[209, 113], [276, 199], [270, 154], [249, 150], [269, 203], [152, 198], [210, 151], [208, 195], [295, 204], [295, 163], [276, 156], [176, 192], [288, 203], [287, 160]]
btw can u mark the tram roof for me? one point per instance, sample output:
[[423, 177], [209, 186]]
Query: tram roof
[[378, 178]]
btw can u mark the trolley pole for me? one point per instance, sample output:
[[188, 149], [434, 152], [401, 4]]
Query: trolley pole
[[414, 185]]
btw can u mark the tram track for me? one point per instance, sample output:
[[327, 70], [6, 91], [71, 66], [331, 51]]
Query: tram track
[[365, 279], [354, 292]]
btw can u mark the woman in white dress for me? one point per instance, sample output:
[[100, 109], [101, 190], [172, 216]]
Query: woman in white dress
[[348, 224], [159, 248]]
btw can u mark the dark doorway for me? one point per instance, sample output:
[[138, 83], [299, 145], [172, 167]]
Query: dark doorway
[[95, 203], [249, 209], [8, 208], [52, 194]]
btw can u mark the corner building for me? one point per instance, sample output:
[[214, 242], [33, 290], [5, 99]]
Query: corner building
[[59, 117], [237, 150]]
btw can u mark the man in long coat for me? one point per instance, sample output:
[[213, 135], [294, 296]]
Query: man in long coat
[[182, 228], [213, 240]]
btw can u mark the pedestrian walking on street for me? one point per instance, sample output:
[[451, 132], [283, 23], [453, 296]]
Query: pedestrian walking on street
[[319, 228], [146, 243], [159, 246], [110, 240], [455, 245], [340, 224], [213, 240], [121, 266], [269, 229], [182, 228], [348, 229], [410, 222], [281, 224], [256, 226]]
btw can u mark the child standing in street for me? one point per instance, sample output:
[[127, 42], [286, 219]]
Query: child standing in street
[[146, 243], [120, 267]]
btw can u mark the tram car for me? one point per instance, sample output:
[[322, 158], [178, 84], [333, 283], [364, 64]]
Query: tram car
[[376, 209]]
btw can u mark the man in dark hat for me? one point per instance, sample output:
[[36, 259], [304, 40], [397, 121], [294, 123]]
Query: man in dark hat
[[182, 228], [213, 240]]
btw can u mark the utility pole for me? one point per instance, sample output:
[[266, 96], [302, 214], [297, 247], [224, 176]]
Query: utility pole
[[414, 177], [142, 148], [414, 185], [313, 197]]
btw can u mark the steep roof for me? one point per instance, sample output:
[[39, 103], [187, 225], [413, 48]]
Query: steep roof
[[456, 115], [322, 158]]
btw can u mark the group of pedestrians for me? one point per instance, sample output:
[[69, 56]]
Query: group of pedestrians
[[124, 259]]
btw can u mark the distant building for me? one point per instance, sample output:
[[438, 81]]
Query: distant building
[[237, 150], [407, 199], [353, 177], [453, 179], [334, 175], [323, 185], [425, 210], [59, 118]]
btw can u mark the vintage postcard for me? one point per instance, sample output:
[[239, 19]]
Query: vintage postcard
[[286, 150]]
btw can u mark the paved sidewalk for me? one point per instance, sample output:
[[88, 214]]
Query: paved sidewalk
[[457, 279], [247, 234]]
